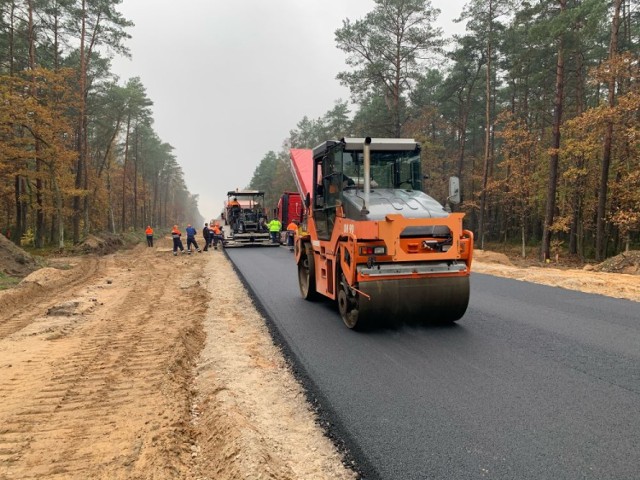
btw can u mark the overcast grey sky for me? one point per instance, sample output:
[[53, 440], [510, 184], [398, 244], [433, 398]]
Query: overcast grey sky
[[229, 79]]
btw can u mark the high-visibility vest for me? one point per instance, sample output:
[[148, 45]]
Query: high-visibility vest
[[149, 231], [275, 225]]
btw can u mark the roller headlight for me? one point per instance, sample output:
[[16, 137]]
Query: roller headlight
[[378, 250]]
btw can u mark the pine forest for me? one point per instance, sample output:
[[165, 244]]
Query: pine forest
[[536, 108], [78, 152]]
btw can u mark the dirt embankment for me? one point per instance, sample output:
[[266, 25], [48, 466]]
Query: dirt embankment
[[14, 260], [140, 365], [597, 279]]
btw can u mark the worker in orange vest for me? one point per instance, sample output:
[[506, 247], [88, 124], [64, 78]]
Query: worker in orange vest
[[292, 228], [149, 233], [234, 213], [217, 236], [177, 241]]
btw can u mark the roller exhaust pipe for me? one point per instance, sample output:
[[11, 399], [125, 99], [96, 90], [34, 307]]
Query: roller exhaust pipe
[[367, 172]]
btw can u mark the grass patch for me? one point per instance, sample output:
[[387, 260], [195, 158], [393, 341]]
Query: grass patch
[[7, 281], [49, 250], [532, 258]]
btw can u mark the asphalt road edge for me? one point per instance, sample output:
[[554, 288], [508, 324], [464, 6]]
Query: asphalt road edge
[[353, 457]]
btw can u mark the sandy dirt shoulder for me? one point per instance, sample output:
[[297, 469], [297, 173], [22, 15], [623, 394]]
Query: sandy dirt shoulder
[[617, 285], [140, 365], [145, 365]]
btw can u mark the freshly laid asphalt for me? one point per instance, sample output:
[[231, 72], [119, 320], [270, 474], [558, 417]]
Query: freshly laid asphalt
[[534, 382]]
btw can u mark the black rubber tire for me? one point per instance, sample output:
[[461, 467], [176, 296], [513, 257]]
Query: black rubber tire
[[307, 275], [349, 315]]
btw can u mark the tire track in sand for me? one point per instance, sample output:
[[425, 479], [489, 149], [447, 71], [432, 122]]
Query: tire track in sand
[[18, 304], [110, 397]]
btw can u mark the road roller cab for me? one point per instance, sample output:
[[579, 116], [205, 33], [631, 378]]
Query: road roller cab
[[373, 240]]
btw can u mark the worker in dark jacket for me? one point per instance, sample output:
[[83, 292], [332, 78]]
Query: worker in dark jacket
[[191, 239], [207, 238], [212, 235], [177, 241]]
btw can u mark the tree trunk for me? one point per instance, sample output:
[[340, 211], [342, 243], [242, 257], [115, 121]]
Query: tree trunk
[[396, 92], [553, 159], [20, 207], [56, 41], [87, 199], [487, 132], [135, 178], [11, 37], [59, 203], [462, 129], [124, 173], [464, 112], [110, 213], [81, 163], [578, 188], [608, 138], [155, 206], [145, 200], [39, 233]]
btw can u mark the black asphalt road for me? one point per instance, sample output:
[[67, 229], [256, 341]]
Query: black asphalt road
[[533, 383]]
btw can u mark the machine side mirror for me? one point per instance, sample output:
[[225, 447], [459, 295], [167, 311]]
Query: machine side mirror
[[454, 190], [307, 200]]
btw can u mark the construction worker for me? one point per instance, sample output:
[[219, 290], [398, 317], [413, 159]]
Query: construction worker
[[177, 241], [292, 228], [207, 239], [149, 233], [212, 234], [234, 212], [191, 239], [274, 229], [262, 223], [217, 236]]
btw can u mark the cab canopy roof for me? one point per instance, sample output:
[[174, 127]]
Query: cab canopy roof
[[377, 144], [245, 193]]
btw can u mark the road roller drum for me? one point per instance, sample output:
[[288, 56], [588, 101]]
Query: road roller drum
[[430, 300]]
